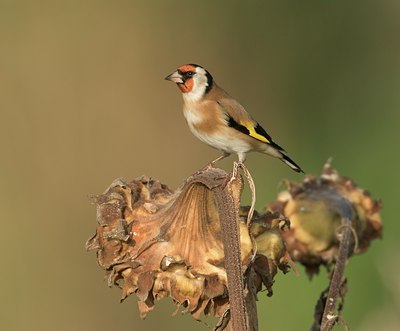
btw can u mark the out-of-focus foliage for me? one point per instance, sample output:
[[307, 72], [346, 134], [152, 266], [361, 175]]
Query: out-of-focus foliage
[[81, 86]]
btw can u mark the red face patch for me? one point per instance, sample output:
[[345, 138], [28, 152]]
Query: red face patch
[[186, 68], [187, 86]]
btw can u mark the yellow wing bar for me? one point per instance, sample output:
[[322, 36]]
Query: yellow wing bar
[[253, 131]]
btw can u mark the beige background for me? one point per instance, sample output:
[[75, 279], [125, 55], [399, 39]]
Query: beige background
[[83, 101]]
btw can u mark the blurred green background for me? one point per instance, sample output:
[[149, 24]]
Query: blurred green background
[[83, 101]]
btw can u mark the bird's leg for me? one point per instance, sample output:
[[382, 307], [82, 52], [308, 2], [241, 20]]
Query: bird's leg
[[219, 158], [242, 158], [239, 164]]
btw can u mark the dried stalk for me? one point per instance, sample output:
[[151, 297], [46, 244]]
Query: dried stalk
[[330, 317], [228, 206]]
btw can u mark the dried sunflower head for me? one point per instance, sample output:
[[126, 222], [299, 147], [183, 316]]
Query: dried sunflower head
[[317, 207], [158, 243]]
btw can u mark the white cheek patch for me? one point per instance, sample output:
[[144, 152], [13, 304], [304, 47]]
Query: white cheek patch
[[194, 95]]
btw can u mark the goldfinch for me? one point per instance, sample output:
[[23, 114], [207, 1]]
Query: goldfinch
[[219, 120]]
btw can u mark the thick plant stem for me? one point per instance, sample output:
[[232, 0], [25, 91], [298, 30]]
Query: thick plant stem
[[242, 292], [228, 206]]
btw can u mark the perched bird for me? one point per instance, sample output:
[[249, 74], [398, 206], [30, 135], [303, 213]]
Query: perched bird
[[219, 120]]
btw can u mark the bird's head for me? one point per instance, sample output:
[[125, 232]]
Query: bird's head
[[193, 81]]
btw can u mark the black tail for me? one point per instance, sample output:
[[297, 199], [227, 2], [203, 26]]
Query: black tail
[[287, 160]]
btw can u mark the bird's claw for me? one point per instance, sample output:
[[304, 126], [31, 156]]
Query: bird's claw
[[208, 166]]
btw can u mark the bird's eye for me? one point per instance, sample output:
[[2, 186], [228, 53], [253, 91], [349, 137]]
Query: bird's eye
[[189, 74]]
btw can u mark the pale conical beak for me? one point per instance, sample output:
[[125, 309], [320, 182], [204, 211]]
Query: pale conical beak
[[175, 77]]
